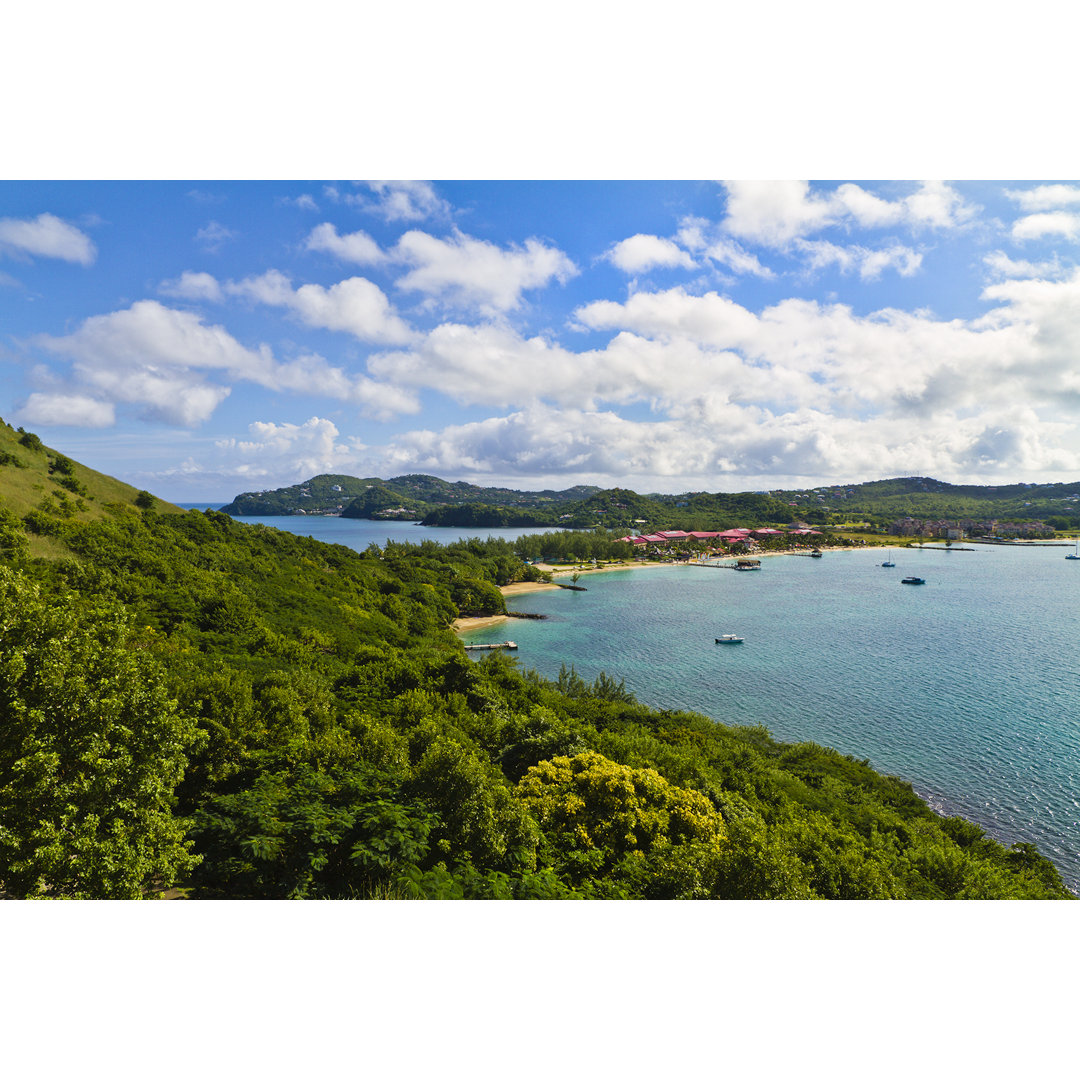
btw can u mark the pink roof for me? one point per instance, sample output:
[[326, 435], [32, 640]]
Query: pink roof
[[674, 534], [704, 535]]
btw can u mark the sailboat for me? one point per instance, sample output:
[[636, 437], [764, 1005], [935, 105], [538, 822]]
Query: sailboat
[[888, 561], [1077, 554]]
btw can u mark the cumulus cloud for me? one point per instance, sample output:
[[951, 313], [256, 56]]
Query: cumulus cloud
[[468, 272], [703, 237], [1053, 223], [641, 252], [1000, 265], [867, 262], [161, 359], [355, 247], [76, 410], [355, 306], [291, 451], [774, 213], [191, 285], [48, 237], [404, 200], [1045, 197]]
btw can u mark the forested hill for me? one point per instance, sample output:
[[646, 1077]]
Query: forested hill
[[924, 497], [440, 502], [414, 495], [231, 711]]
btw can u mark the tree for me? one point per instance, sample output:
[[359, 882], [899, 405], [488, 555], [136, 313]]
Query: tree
[[92, 749], [600, 816]]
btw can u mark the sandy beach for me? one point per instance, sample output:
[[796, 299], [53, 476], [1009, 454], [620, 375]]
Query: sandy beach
[[520, 587]]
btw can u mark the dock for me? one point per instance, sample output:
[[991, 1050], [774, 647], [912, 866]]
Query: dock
[[742, 564], [497, 645]]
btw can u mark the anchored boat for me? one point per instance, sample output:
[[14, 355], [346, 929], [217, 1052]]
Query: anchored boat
[[913, 581], [729, 639]]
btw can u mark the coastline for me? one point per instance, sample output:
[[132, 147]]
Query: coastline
[[519, 588]]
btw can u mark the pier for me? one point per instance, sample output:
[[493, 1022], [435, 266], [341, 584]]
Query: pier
[[497, 645]]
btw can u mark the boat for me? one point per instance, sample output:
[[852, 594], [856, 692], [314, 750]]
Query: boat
[[913, 581], [729, 639], [1077, 554], [888, 561], [815, 554]]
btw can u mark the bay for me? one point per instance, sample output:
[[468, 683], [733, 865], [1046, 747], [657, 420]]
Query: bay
[[967, 686], [359, 533]]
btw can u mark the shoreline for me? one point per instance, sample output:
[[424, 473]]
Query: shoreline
[[519, 588]]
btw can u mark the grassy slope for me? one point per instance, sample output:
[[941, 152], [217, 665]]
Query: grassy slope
[[24, 489]]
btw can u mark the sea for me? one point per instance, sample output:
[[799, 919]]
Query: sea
[[967, 686], [360, 533]]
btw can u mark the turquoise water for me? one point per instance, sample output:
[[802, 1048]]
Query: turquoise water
[[968, 686], [358, 533]]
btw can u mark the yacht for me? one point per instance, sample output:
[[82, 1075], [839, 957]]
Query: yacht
[[1077, 553], [729, 639]]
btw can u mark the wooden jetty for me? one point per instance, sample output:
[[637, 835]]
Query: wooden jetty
[[497, 645]]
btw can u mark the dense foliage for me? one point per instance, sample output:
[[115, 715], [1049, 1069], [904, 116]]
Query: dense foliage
[[251, 713], [439, 502], [882, 501]]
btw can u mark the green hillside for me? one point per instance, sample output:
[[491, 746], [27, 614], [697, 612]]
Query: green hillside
[[924, 497], [37, 480], [416, 493], [190, 702]]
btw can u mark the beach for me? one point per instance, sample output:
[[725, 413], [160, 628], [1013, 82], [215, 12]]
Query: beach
[[520, 587]]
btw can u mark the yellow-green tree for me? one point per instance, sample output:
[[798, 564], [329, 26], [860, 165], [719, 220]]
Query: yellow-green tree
[[627, 828]]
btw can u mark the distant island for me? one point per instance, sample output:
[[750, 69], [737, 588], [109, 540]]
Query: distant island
[[877, 505]]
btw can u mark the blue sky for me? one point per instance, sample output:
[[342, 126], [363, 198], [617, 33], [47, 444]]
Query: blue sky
[[204, 338]]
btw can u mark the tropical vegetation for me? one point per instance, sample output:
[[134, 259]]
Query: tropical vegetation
[[190, 705]]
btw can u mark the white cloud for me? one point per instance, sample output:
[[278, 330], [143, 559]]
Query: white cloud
[[213, 236], [1046, 197], [1000, 265], [287, 452], [640, 253], [468, 272], [1053, 223], [76, 410], [868, 262], [355, 247], [46, 236], [404, 200], [776, 212], [702, 236], [160, 358], [192, 285], [355, 306]]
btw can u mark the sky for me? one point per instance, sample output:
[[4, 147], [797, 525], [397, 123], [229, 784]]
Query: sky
[[202, 339]]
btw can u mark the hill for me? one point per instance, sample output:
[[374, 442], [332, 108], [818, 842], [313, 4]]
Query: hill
[[925, 497], [35, 480], [414, 494], [187, 700]]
